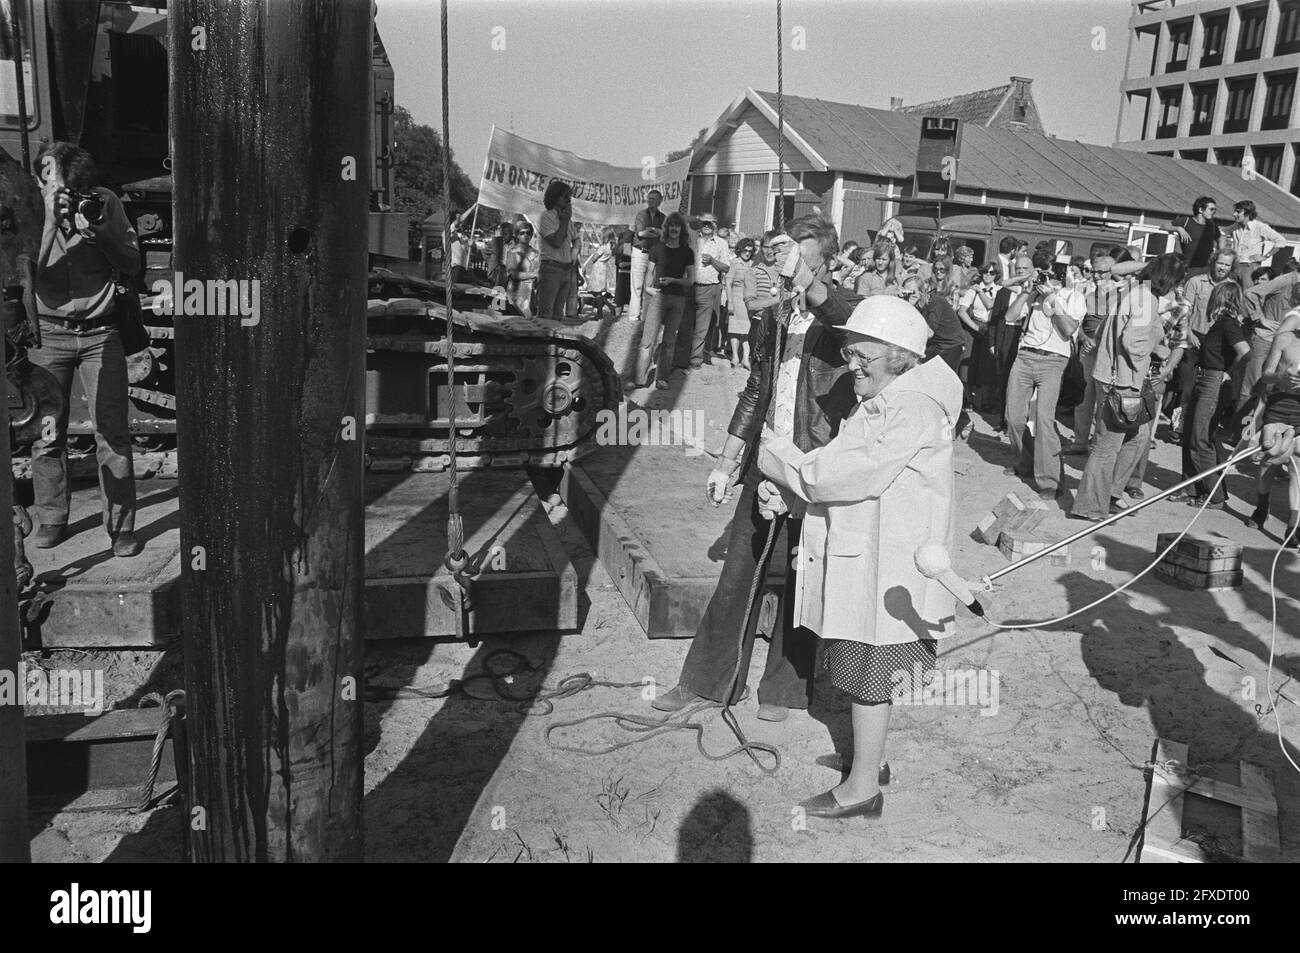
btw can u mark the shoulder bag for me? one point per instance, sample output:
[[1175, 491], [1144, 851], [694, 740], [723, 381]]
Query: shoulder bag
[[1127, 410], [129, 317]]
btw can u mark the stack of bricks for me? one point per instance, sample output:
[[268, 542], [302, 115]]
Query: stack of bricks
[[1200, 562], [1012, 527]]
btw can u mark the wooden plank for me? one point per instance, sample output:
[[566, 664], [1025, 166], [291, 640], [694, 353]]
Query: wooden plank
[[1255, 797], [406, 526], [527, 582], [97, 600], [1260, 838], [112, 725], [635, 506], [93, 760], [1163, 833]]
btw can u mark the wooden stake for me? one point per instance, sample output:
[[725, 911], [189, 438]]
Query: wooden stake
[[270, 128], [14, 844]]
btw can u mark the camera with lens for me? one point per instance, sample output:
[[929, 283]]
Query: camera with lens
[[88, 204]]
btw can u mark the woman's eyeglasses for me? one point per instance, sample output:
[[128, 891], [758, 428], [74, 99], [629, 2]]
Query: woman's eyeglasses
[[851, 356]]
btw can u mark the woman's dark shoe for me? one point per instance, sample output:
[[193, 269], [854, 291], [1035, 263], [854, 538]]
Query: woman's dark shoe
[[835, 761], [1135, 494], [825, 805]]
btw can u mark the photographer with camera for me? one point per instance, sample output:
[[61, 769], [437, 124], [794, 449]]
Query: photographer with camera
[[1052, 315], [87, 242]]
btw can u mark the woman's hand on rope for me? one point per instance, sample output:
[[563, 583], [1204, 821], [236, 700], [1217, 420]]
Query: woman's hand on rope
[[771, 502]]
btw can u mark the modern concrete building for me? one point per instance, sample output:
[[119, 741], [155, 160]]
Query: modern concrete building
[[1215, 81]]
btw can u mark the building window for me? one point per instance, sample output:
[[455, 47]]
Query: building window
[[1180, 44], [1279, 91], [1250, 37], [1288, 28], [1203, 108], [1240, 94], [702, 188], [1230, 157], [1170, 107], [1215, 30], [1194, 155], [726, 199], [1295, 176], [1268, 162]]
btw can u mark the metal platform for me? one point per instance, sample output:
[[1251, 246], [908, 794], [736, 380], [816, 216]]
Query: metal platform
[[644, 512], [527, 583]]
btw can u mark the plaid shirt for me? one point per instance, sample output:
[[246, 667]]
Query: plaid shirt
[[1175, 313]]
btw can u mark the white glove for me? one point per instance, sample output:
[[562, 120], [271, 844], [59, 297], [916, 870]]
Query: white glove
[[719, 481], [770, 501]]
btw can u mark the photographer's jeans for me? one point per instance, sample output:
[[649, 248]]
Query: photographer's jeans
[[1036, 372], [98, 360]]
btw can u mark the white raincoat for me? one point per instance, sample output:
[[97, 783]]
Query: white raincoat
[[880, 489]]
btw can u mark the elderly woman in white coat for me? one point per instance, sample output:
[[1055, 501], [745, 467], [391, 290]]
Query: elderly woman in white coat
[[876, 493]]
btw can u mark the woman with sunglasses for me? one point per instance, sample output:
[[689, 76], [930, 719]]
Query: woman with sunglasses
[[738, 315], [522, 269]]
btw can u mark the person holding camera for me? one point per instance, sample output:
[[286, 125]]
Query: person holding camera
[[1052, 315], [86, 242]]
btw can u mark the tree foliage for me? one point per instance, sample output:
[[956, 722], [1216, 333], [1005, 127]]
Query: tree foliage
[[683, 153], [417, 171]]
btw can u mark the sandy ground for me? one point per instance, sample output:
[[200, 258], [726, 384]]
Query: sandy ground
[[1055, 773]]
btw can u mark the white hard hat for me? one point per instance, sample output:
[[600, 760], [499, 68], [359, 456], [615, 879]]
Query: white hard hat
[[891, 320]]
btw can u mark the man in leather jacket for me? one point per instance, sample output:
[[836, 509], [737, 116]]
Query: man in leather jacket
[[798, 384]]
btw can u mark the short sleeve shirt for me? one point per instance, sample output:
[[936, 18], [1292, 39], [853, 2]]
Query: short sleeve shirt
[[671, 263], [550, 221], [1218, 345]]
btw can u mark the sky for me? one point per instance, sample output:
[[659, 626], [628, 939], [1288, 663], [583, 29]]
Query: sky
[[619, 80]]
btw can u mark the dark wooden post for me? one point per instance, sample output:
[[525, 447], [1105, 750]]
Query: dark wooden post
[[270, 125], [14, 844]]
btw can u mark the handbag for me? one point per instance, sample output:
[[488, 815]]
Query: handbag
[[130, 318], [1129, 411]]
